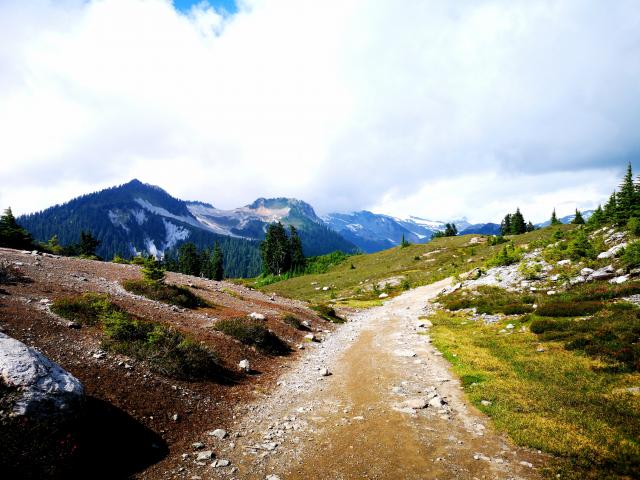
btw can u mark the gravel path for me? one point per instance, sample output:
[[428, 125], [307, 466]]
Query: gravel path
[[390, 408]]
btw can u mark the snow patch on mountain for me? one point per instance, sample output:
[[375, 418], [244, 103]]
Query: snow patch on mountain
[[174, 234]]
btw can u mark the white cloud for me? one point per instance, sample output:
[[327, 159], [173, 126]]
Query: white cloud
[[431, 108]]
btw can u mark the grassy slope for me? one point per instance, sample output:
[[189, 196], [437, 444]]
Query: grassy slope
[[450, 256], [560, 401]]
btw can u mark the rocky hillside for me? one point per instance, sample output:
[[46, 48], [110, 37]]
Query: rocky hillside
[[144, 406]]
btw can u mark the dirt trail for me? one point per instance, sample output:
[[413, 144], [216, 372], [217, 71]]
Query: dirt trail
[[358, 422]]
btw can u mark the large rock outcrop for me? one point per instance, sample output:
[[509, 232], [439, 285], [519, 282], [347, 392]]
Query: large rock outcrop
[[33, 385]]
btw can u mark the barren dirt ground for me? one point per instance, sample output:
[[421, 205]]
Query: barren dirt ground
[[359, 422]]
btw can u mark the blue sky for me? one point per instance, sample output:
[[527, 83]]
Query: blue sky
[[228, 5], [438, 109]]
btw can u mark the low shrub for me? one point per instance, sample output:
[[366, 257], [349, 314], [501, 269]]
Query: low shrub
[[631, 255], [171, 294], [490, 300], [508, 255], [496, 240], [292, 321], [254, 333], [86, 309], [633, 225], [611, 335], [167, 350], [569, 308], [600, 291], [329, 313]]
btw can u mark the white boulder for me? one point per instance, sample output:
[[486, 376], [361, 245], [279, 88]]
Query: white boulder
[[43, 388]]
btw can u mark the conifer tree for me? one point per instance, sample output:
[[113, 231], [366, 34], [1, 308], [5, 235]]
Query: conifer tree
[[578, 219], [597, 217], [153, 271], [188, 259], [275, 250], [554, 218], [13, 235], [404, 242], [611, 208], [626, 198], [518, 224], [217, 262], [530, 227], [88, 244], [505, 226], [298, 262]]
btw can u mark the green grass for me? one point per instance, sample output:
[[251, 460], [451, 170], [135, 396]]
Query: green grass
[[419, 264], [253, 333], [162, 292], [489, 299], [86, 309], [560, 401], [166, 350]]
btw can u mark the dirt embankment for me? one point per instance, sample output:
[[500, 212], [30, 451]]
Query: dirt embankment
[[139, 422]]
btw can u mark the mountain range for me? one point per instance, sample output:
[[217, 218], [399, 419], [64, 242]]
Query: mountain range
[[137, 218]]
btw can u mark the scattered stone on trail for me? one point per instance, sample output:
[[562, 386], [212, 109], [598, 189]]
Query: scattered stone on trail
[[257, 316], [198, 445], [310, 337], [480, 456], [220, 463], [325, 372], [244, 365], [272, 477], [577, 280], [564, 262], [205, 455], [404, 353], [551, 292], [586, 271], [437, 402], [526, 464], [416, 403], [383, 295], [219, 433], [44, 388]]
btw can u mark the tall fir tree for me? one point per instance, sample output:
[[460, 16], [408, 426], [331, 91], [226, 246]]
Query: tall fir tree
[[578, 219], [505, 226], [88, 244], [554, 218], [611, 208], [298, 262], [597, 218], [275, 250], [217, 262], [12, 235], [189, 259], [626, 198], [518, 224]]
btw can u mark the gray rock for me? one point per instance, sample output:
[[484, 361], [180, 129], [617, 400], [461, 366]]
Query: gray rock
[[604, 273], [272, 477], [205, 455], [257, 316], [586, 271], [620, 279], [198, 445], [43, 387], [219, 433], [221, 463], [383, 295], [577, 280], [325, 372], [564, 262]]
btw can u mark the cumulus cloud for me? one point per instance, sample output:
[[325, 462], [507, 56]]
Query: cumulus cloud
[[431, 108]]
